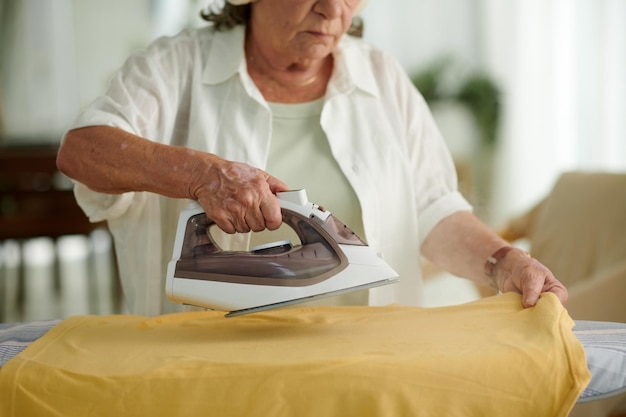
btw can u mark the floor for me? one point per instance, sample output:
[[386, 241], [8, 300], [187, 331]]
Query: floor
[[43, 279]]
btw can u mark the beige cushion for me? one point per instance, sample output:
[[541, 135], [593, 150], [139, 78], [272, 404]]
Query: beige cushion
[[601, 297], [579, 230]]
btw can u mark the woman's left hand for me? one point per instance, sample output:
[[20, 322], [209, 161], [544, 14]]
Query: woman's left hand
[[527, 276]]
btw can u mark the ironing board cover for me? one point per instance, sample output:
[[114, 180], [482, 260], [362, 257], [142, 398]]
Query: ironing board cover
[[486, 358]]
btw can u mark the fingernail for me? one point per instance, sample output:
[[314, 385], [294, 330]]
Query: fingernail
[[529, 302]]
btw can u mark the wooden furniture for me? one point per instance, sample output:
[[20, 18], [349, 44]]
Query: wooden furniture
[[36, 200]]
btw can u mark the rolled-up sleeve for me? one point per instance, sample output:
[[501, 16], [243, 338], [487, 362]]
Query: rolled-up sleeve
[[100, 206]]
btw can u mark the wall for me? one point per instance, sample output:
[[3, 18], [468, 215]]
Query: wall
[[59, 55], [38, 69], [560, 64], [64, 51], [418, 32]]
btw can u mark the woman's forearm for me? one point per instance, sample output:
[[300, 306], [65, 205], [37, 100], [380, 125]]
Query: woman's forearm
[[461, 244], [237, 196], [113, 161]]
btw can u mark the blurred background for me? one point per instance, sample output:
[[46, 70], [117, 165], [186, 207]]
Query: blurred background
[[523, 90]]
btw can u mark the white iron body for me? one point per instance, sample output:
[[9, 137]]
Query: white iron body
[[331, 260]]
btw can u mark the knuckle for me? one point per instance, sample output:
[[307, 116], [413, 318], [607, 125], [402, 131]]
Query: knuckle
[[257, 228]]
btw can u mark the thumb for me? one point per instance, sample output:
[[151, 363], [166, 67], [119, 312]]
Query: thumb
[[276, 185], [531, 291]]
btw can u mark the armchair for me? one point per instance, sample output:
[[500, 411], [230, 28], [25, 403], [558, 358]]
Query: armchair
[[579, 232]]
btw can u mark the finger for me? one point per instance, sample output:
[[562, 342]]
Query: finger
[[226, 226], [557, 288], [240, 211], [531, 290], [255, 220], [561, 294], [253, 214], [530, 298], [272, 215], [229, 219], [240, 224]]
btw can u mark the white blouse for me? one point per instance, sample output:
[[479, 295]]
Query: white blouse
[[194, 90]]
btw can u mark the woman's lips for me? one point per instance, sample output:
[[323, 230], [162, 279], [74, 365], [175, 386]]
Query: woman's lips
[[319, 34]]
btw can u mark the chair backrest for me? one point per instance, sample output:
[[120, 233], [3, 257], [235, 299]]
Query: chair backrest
[[580, 228], [35, 198]]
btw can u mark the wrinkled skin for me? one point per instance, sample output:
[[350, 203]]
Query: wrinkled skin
[[240, 198]]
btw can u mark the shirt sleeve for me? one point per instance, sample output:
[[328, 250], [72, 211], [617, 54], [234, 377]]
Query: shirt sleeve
[[437, 196], [435, 177], [139, 101]]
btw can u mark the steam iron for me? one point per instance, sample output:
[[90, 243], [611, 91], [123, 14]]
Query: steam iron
[[330, 259]]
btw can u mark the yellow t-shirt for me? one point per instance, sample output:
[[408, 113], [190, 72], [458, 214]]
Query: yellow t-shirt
[[486, 358]]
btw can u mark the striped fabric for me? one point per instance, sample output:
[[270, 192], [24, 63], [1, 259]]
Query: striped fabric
[[605, 348], [604, 344], [15, 337]]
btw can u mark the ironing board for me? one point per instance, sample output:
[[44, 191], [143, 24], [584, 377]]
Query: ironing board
[[604, 345]]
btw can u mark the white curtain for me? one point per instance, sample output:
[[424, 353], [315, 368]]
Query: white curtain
[[38, 91], [562, 64], [58, 55], [418, 32]]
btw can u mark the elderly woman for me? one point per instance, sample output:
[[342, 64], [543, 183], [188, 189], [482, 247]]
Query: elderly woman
[[279, 89]]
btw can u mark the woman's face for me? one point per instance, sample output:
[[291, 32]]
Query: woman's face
[[300, 30]]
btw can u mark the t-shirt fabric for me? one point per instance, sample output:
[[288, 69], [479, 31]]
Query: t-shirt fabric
[[486, 358]]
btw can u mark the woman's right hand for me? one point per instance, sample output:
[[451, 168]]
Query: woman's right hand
[[236, 196]]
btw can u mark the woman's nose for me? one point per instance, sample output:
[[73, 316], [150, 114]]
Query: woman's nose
[[328, 8]]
